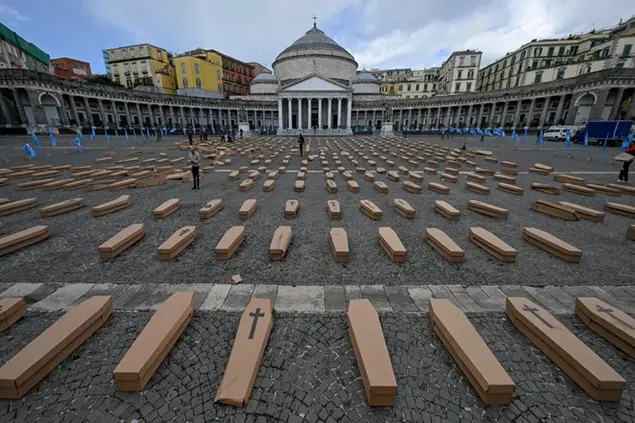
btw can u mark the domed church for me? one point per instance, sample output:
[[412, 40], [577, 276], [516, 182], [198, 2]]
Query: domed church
[[314, 81]]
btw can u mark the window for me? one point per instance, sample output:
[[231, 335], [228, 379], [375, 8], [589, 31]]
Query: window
[[470, 74], [220, 88], [160, 55], [513, 60], [550, 52], [469, 86], [129, 83], [425, 87], [561, 51], [217, 74], [124, 54], [417, 87], [522, 55], [141, 51], [144, 67], [134, 67], [534, 64], [473, 61], [538, 78], [126, 67], [400, 87], [627, 50], [537, 51], [457, 87], [573, 50], [196, 70], [459, 74], [184, 82], [461, 59], [131, 52], [560, 74], [409, 86]]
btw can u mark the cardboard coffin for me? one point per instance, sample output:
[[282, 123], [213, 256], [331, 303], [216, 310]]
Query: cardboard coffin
[[234, 175], [22, 239], [566, 350], [333, 208], [331, 186], [508, 164], [371, 210], [493, 245], [404, 208], [584, 212], [291, 208], [563, 178], [126, 183], [624, 189], [280, 243], [578, 189], [504, 178], [444, 245], [121, 241], [438, 188], [300, 176], [246, 185], [210, 209], [609, 322], [339, 245], [448, 177], [380, 187], [371, 354], [230, 242], [476, 178], [543, 167], [269, 185], [61, 207], [299, 186], [554, 209], [412, 188], [430, 170], [390, 242], [487, 209], [552, 245], [616, 208], [624, 157], [369, 176], [450, 171], [176, 243], [538, 171], [11, 310], [112, 206], [155, 341], [446, 210], [475, 359], [166, 209], [247, 209], [393, 176], [512, 189], [483, 171], [474, 187], [36, 360], [415, 176], [603, 189], [491, 159], [545, 188], [247, 353], [17, 206], [39, 183]]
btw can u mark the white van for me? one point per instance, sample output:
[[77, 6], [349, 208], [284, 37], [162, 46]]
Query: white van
[[555, 134]]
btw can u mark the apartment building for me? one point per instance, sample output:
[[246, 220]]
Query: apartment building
[[65, 67], [18, 53], [199, 73], [459, 73]]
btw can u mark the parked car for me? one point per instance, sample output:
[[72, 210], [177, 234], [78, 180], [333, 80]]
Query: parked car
[[555, 134]]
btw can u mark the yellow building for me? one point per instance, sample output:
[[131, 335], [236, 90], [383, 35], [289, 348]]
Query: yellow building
[[142, 65], [199, 73]]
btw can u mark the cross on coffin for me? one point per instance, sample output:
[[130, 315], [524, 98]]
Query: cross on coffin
[[534, 311], [254, 323], [609, 311]]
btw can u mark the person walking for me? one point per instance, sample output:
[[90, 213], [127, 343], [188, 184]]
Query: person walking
[[301, 144], [189, 136], [623, 176], [193, 159]]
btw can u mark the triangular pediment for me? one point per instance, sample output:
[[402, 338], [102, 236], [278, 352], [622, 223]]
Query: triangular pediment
[[314, 83]]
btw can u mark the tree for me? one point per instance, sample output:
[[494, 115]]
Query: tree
[[102, 80]]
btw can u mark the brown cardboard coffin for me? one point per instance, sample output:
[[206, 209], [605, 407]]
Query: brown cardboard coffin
[[339, 244], [538, 171], [444, 245], [553, 245], [474, 187], [369, 176], [22, 239], [126, 183], [61, 207], [504, 178], [584, 212], [210, 208], [371, 210], [11, 310], [254, 176], [333, 208], [167, 208], [487, 209], [624, 189], [545, 188], [578, 189], [380, 187], [247, 353], [230, 242], [476, 178], [616, 208], [510, 172], [391, 243], [412, 188], [393, 176], [543, 167], [176, 243], [484, 171], [438, 188], [568, 179], [609, 322], [512, 189], [39, 183], [404, 208], [234, 175], [269, 185], [430, 170], [446, 210], [299, 186], [247, 209], [415, 176], [155, 341], [554, 209], [4, 181], [352, 186], [300, 176], [121, 241], [493, 245], [291, 208], [17, 206], [280, 243], [508, 164], [272, 175], [246, 185], [331, 186], [450, 171], [36, 360], [572, 355], [448, 177], [475, 359], [603, 189], [117, 204], [371, 354]]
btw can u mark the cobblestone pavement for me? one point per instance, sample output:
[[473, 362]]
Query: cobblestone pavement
[[309, 374], [70, 254]]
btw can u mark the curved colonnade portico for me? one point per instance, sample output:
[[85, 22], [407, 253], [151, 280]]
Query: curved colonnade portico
[[315, 89]]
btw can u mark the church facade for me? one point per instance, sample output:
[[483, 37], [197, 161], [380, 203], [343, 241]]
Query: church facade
[[315, 89]]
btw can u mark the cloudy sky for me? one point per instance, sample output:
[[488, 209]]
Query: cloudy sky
[[379, 33]]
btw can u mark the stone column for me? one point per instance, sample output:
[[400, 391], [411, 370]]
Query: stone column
[[543, 115], [19, 106], [280, 113], [530, 114], [153, 122], [74, 109], [630, 113], [491, 115], [183, 120], [468, 122], [319, 113], [115, 116], [560, 109], [89, 115], [339, 113], [289, 126], [63, 111], [300, 113], [350, 112], [504, 116], [616, 104], [308, 119], [330, 116], [141, 122], [5, 110], [419, 117], [410, 118], [519, 105], [172, 116], [126, 107], [161, 124], [479, 119], [102, 112]]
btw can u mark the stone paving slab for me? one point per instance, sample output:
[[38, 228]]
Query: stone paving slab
[[329, 298]]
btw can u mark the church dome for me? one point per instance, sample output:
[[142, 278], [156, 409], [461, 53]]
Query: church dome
[[315, 53], [264, 78], [365, 77]]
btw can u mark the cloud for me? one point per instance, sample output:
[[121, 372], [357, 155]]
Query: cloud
[[379, 33], [12, 14]]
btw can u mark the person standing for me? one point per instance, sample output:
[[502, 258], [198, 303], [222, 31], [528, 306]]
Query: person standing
[[189, 136], [194, 159], [301, 144], [623, 177]]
